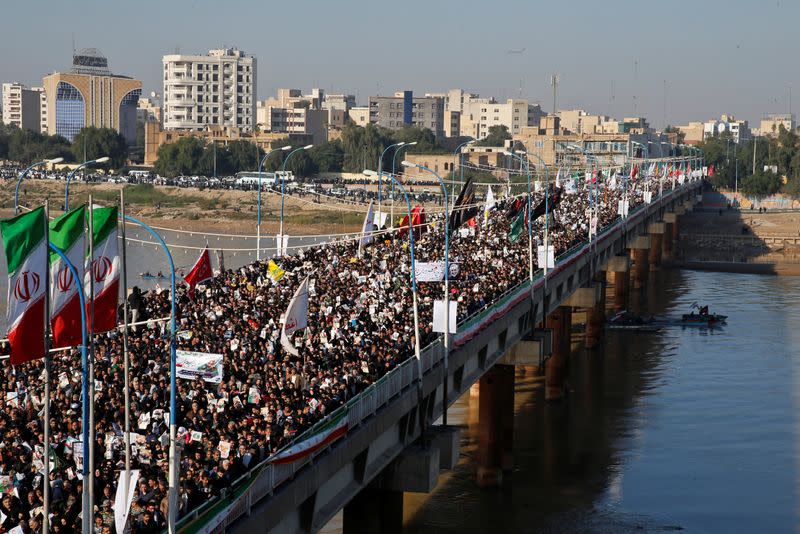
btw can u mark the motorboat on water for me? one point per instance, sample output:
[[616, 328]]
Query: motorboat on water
[[626, 320]]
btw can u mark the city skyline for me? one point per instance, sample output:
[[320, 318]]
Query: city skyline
[[685, 64]]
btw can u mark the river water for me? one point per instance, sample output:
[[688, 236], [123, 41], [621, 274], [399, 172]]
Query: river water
[[686, 429]]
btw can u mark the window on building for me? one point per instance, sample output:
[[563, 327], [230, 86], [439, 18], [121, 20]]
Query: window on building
[[70, 108]]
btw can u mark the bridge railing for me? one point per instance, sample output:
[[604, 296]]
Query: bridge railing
[[264, 478]]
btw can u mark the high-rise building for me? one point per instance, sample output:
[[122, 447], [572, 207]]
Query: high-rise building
[[403, 109], [42, 108], [21, 106], [216, 89], [90, 95]]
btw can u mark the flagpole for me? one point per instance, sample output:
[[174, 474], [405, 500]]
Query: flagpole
[[46, 475], [125, 354], [86, 507], [90, 460]]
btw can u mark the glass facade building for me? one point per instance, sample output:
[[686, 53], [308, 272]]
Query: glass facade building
[[70, 110]]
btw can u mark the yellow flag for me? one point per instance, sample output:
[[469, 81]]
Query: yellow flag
[[275, 272]]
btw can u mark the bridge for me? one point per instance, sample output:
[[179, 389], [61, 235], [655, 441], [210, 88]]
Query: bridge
[[392, 445]]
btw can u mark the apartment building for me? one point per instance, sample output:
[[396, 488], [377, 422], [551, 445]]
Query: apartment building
[[218, 89], [737, 128], [22, 106], [771, 124], [403, 109], [90, 95], [479, 115]]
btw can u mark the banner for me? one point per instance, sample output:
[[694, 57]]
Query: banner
[[433, 271], [439, 316], [121, 507], [648, 197], [551, 257], [191, 365], [622, 208], [281, 245]]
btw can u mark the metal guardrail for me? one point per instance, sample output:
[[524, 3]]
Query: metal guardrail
[[264, 478]]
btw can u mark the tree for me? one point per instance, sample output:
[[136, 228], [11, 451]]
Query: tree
[[27, 146], [760, 185], [243, 156], [180, 158], [498, 135], [328, 157], [92, 143]]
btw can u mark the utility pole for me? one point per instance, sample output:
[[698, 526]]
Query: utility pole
[[554, 82], [755, 147]]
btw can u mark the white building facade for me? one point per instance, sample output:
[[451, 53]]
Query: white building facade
[[22, 106], [218, 89]]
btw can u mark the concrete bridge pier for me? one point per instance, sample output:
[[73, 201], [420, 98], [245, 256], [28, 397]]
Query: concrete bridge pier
[[656, 231], [621, 267], [640, 247], [495, 425], [592, 300], [670, 221], [555, 371]]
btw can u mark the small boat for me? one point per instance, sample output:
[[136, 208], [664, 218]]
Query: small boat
[[702, 317], [148, 276], [626, 320]]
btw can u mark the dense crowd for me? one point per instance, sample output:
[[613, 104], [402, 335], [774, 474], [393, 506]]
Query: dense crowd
[[360, 327]]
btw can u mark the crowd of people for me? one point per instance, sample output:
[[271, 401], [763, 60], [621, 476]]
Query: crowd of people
[[359, 328]]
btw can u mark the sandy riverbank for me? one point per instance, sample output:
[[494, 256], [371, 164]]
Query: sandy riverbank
[[228, 211]]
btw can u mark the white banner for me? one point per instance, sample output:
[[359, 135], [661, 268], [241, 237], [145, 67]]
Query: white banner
[[77, 455], [282, 244], [122, 508], [295, 318], [191, 365], [551, 258], [592, 226], [439, 316], [622, 208], [433, 271], [648, 197]]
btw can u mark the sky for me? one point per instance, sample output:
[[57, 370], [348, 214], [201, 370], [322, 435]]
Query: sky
[[671, 61]]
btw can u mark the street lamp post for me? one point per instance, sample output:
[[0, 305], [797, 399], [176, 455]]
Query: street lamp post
[[394, 159], [417, 352], [380, 172], [446, 282], [24, 173], [283, 191], [460, 154], [70, 175], [258, 220], [86, 504], [174, 453]]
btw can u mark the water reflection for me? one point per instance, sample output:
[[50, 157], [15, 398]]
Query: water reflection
[[686, 429]]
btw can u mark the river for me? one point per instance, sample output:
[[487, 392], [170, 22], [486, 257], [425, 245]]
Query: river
[[689, 430]]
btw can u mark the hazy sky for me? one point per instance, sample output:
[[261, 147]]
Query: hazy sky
[[717, 56]]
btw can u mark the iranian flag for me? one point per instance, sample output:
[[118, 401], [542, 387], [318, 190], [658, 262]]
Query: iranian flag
[[324, 436], [67, 233], [104, 270], [25, 248]]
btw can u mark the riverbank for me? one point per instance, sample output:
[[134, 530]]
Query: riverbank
[[739, 242], [225, 211]]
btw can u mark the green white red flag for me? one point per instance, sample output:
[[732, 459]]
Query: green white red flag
[[25, 250], [325, 435], [68, 233], [104, 270]]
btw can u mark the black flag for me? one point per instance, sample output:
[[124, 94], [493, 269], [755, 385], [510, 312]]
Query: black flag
[[464, 208]]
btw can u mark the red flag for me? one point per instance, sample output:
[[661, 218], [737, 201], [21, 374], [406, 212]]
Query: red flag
[[200, 272], [472, 223], [710, 171], [634, 172]]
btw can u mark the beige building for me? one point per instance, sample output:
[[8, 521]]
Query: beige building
[[404, 109], [480, 158], [359, 115], [206, 90], [556, 145], [42, 109], [771, 124], [21, 106], [692, 132], [292, 112], [479, 115], [155, 136], [149, 110], [90, 95]]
